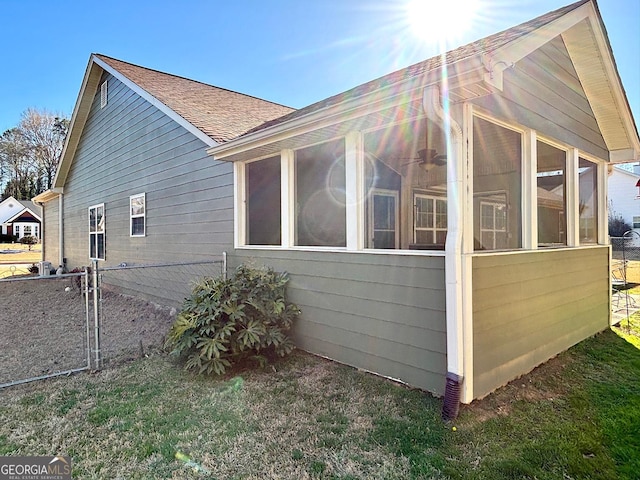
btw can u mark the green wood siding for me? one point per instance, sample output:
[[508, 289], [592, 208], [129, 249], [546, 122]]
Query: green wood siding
[[542, 91], [131, 147], [381, 313], [530, 306]]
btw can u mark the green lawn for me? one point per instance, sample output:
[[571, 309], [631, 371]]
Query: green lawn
[[576, 417]]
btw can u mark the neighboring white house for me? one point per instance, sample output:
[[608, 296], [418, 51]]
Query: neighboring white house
[[20, 218], [624, 197]]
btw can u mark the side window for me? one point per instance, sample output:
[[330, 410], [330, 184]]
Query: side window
[[97, 232], [137, 213]]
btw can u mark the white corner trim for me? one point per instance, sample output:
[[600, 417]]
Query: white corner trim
[[239, 202], [354, 172]]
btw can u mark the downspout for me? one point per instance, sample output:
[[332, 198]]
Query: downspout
[[435, 112], [60, 231], [42, 222]]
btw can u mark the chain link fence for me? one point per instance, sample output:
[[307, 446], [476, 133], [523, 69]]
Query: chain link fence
[[627, 249], [138, 303], [43, 327], [62, 324]]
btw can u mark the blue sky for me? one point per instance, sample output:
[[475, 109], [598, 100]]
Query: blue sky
[[293, 52]]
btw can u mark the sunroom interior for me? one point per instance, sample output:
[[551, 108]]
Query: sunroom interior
[[403, 191], [399, 191]]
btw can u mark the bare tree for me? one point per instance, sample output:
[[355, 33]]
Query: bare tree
[[43, 134], [30, 153], [16, 163]]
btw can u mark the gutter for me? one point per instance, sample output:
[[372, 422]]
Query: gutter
[[373, 101], [435, 112]]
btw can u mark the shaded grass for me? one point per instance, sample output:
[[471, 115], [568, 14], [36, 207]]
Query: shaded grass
[[578, 416]]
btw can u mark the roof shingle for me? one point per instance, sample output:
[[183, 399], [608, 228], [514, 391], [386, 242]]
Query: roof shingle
[[219, 113]]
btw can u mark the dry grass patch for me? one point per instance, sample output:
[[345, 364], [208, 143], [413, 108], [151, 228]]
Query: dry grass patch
[[275, 423], [20, 253], [307, 418]]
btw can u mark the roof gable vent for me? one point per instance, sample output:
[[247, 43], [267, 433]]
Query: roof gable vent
[[103, 94]]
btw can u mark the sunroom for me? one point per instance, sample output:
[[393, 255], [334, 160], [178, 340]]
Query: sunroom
[[445, 225]]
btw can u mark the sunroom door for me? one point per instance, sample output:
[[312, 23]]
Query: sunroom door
[[383, 219]]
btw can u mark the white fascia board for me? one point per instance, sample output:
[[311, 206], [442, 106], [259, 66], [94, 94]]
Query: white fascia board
[[505, 57], [91, 79], [614, 78], [467, 71], [47, 195], [156, 103], [628, 155]]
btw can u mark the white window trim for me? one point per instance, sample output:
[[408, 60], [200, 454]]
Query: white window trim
[[493, 230], [143, 215], [396, 198], [104, 230], [434, 230]]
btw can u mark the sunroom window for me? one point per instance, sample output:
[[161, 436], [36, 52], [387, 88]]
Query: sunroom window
[[588, 206], [405, 184], [263, 225], [497, 186], [320, 195], [551, 183]]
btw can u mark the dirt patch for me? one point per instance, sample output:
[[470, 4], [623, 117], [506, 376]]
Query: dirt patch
[[43, 327], [545, 382]]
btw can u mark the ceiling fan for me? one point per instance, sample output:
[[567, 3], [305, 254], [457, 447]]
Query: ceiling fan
[[428, 158]]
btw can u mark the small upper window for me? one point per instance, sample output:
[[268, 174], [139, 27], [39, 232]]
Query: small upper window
[[137, 204], [103, 94]]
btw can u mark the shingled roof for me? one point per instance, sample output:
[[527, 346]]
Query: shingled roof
[[219, 113], [485, 45]]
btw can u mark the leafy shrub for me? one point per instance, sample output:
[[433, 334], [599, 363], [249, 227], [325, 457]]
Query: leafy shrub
[[29, 240], [618, 226], [225, 321], [34, 269], [4, 238]]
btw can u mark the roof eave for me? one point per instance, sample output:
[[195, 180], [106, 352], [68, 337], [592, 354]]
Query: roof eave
[[47, 195], [469, 70], [630, 151], [81, 110]]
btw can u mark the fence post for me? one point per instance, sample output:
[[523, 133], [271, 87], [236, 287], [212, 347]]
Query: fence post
[[96, 314], [85, 287]]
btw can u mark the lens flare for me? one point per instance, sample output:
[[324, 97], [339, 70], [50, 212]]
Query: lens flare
[[438, 21]]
